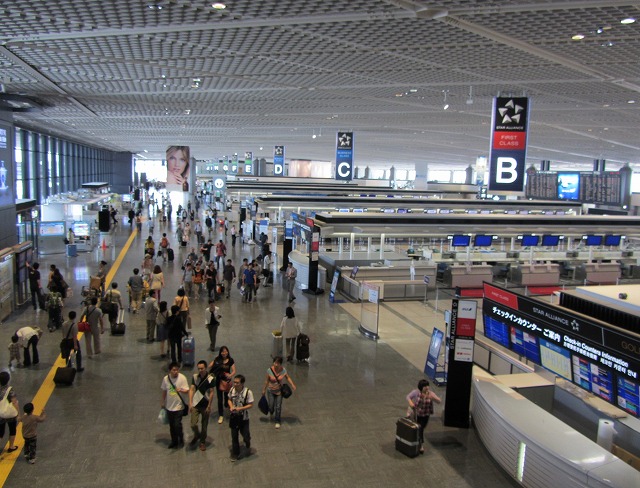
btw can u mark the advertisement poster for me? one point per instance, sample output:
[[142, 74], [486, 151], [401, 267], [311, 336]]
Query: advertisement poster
[[6, 167], [178, 168]]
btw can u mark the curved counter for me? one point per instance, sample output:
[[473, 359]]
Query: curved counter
[[539, 450]]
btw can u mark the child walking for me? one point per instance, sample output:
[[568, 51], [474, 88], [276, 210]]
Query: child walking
[[29, 431], [14, 352]]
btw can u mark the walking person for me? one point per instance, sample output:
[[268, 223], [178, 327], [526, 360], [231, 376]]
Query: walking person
[[210, 276], [30, 423], [151, 310], [102, 274], [229, 276], [173, 384], [200, 398], [249, 280], [240, 401], [234, 235], [290, 329], [221, 252], [224, 368], [93, 315], [291, 276], [175, 332], [156, 282], [421, 407], [114, 297], [10, 411], [164, 245], [276, 374], [135, 286], [187, 278], [35, 285], [70, 336], [182, 302], [213, 323], [163, 329]]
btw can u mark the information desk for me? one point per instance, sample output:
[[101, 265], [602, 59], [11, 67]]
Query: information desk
[[536, 448], [467, 276], [535, 274]]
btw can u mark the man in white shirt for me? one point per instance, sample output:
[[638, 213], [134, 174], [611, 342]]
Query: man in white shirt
[[29, 336], [240, 401], [172, 385]]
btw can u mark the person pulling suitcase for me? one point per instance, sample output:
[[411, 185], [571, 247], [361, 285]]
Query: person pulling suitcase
[[421, 402]]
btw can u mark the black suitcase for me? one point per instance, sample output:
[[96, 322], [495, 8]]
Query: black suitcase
[[65, 375], [170, 254], [119, 327], [42, 301], [302, 347], [407, 437], [183, 243]]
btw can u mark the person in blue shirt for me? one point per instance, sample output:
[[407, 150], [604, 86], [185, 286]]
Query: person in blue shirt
[[249, 280]]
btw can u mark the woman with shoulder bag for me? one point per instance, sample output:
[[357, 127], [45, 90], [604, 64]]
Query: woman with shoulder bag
[[421, 407], [157, 281], [275, 389], [9, 411], [224, 369]]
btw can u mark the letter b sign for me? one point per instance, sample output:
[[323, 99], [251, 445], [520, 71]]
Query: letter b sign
[[507, 173]]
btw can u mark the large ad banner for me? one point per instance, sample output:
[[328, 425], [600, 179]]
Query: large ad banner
[[278, 161], [178, 168], [509, 127], [344, 156]]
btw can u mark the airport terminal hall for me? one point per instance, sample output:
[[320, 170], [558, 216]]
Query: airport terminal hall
[[303, 243]]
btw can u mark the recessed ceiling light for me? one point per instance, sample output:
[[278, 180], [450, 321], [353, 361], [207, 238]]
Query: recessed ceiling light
[[413, 90], [628, 20], [631, 101], [577, 37], [218, 6]]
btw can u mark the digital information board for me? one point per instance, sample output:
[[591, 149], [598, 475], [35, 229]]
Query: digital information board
[[599, 359], [587, 187]]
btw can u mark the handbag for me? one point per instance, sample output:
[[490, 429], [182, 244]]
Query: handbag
[[7, 409], [163, 418], [263, 405], [66, 345], [285, 389], [224, 385], [83, 325]]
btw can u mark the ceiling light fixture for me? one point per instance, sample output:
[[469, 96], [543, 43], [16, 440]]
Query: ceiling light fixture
[[218, 6], [446, 105], [577, 37], [628, 20]]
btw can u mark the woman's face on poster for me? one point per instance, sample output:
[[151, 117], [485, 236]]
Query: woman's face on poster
[[177, 162]]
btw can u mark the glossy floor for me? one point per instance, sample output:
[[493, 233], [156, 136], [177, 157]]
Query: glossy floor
[[338, 428]]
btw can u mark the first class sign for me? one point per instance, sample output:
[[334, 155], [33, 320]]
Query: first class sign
[[510, 123]]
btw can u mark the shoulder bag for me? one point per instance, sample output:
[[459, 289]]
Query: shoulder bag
[[66, 344], [185, 410], [83, 325], [285, 389], [7, 409]]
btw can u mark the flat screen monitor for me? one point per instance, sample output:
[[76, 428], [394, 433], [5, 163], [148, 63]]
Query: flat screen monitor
[[432, 210], [358, 210], [482, 241], [593, 241], [610, 240], [343, 210], [445, 211], [403, 211], [549, 240], [460, 241], [568, 186], [388, 210], [511, 212], [530, 240]]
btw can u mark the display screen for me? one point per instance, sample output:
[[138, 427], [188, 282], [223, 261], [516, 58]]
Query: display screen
[[611, 240], [593, 240], [482, 241], [460, 241], [403, 211], [555, 358], [431, 210], [358, 210], [593, 378], [530, 240], [343, 210], [496, 330], [550, 240], [569, 186], [51, 229], [126, 197], [388, 210], [628, 396]]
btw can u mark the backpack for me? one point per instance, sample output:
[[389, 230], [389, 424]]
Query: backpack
[[164, 242], [7, 410]]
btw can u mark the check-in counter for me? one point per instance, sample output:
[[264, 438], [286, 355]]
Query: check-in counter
[[598, 272], [394, 282], [537, 448], [467, 276], [536, 274]]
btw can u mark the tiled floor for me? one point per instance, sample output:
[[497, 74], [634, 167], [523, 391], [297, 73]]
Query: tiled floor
[[338, 428]]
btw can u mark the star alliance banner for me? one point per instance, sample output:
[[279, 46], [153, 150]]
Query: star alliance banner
[[278, 161], [509, 126], [344, 156]]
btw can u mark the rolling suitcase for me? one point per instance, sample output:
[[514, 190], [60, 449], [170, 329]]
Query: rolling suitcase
[[302, 347], [65, 375], [407, 437], [276, 346], [119, 327], [188, 351], [170, 255]]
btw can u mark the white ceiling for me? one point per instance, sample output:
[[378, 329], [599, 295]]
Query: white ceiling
[[119, 73]]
